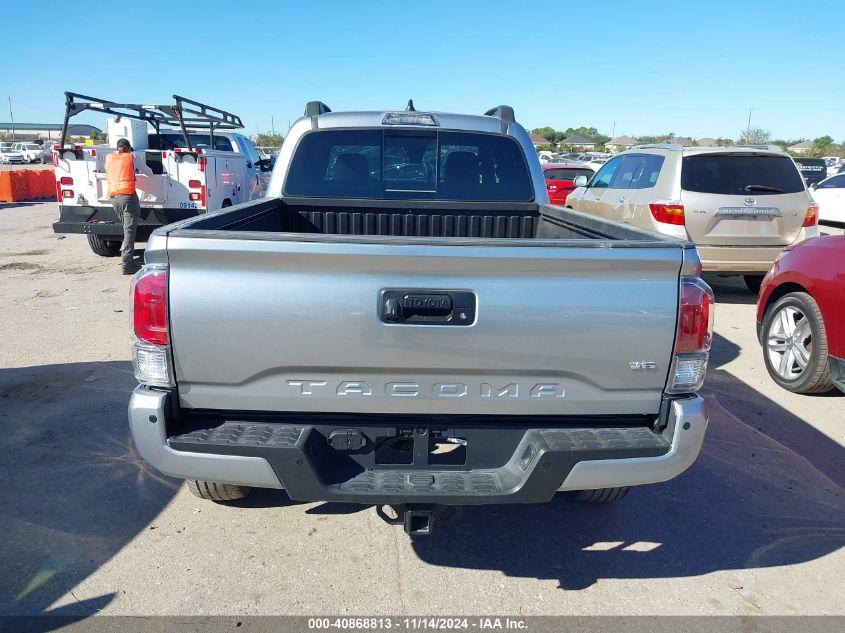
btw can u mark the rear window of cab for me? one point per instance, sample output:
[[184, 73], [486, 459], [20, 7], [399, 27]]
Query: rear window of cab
[[740, 174], [409, 164]]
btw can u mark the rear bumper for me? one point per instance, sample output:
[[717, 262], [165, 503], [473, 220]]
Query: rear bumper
[[101, 220], [738, 259], [297, 457]]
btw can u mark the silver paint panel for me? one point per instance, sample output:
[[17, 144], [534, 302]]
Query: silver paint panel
[[249, 316]]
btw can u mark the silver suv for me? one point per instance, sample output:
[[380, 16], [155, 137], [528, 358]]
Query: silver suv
[[741, 205]]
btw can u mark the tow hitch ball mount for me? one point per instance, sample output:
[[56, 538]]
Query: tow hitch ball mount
[[418, 519]]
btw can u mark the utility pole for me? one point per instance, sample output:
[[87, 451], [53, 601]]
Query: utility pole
[[272, 125], [613, 133], [12, 117], [748, 130]]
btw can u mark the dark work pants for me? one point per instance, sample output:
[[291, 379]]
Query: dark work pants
[[128, 209]]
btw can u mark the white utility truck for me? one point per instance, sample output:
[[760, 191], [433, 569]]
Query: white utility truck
[[188, 160]]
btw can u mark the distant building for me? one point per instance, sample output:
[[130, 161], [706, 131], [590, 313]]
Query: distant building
[[576, 141], [539, 141], [620, 143], [683, 141], [801, 148], [49, 131]]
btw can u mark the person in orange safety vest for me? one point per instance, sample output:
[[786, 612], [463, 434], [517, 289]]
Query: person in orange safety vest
[[120, 175]]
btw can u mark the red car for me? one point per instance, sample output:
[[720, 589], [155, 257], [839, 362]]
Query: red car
[[801, 316], [560, 177]]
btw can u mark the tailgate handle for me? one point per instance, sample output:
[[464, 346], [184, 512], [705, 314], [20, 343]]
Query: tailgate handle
[[427, 307]]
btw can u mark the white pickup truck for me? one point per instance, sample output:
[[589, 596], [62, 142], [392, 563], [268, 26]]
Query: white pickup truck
[[201, 165]]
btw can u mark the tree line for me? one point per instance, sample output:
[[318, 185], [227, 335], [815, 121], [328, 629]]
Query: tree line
[[556, 136], [821, 146], [262, 139]]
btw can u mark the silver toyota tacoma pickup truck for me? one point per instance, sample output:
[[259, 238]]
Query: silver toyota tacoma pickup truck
[[406, 322]]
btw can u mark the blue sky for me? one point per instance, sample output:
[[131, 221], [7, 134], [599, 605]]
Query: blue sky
[[692, 68]]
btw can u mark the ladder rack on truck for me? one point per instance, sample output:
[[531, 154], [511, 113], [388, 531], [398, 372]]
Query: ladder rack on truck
[[189, 159], [199, 115]]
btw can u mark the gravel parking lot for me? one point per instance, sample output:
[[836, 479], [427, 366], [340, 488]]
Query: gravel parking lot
[[756, 526]]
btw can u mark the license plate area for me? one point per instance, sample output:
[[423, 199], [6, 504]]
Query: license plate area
[[420, 447], [749, 213]]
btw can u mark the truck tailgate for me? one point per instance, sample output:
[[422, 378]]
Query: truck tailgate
[[293, 325]]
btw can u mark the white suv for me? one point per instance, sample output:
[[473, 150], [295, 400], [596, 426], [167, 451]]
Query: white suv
[[741, 205], [31, 152]]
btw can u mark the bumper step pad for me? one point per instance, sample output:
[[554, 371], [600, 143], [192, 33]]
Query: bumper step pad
[[238, 434], [310, 471]]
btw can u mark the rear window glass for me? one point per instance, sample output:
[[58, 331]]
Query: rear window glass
[[409, 164], [811, 164], [740, 174], [814, 170], [567, 174]]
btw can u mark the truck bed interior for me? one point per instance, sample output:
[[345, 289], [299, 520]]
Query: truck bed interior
[[417, 219]]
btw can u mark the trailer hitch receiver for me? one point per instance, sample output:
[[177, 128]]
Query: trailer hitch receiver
[[417, 519]]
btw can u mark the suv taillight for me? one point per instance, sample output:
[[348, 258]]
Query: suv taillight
[[694, 336], [812, 217], [668, 211], [150, 332]]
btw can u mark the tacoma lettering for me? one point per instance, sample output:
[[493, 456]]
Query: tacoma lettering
[[410, 389]]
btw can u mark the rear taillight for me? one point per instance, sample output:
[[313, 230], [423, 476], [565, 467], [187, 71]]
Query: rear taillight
[[195, 196], [812, 217], [203, 196], [194, 184], [66, 181], [151, 337], [67, 193], [149, 306], [58, 191], [668, 211], [201, 161], [694, 336], [695, 319]]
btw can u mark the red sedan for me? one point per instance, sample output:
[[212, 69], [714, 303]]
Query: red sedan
[[560, 179], [801, 316]]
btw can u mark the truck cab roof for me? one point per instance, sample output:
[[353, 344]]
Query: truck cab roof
[[497, 121], [377, 118]]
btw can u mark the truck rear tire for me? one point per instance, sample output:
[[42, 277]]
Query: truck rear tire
[[104, 247], [216, 492], [602, 495]]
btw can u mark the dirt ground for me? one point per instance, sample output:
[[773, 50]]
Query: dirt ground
[[756, 526]]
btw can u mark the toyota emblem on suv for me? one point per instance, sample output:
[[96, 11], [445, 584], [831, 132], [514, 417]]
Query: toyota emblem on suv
[[750, 202]]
